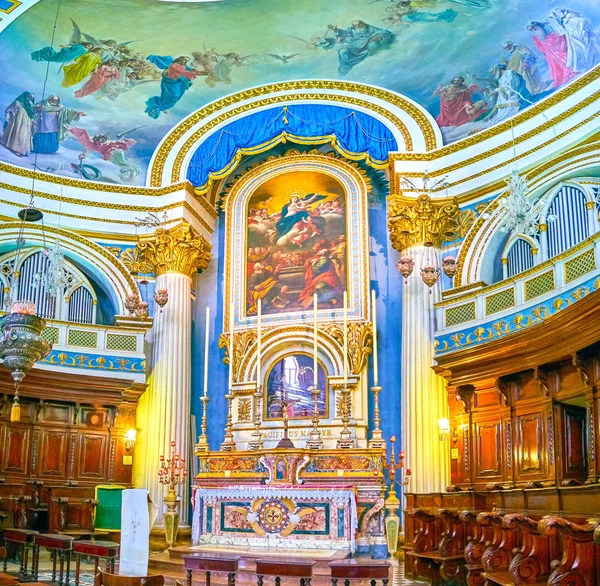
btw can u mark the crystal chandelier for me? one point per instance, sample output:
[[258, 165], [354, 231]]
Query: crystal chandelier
[[53, 277], [519, 214]]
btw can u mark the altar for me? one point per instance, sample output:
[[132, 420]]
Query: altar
[[295, 499], [301, 464], [294, 517]]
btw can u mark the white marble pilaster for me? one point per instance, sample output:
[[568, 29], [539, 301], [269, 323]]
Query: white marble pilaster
[[423, 392]]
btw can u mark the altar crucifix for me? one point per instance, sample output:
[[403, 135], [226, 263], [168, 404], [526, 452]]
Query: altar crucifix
[[284, 402]]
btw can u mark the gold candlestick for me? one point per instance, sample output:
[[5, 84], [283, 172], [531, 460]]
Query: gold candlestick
[[345, 440], [202, 445], [315, 442], [228, 444], [257, 443], [376, 440]]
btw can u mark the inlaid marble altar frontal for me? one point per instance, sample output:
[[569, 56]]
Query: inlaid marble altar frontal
[[270, 516]]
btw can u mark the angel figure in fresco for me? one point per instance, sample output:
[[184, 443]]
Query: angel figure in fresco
[[79, 44], [110, 150], [176, 79], [356, 43], [407, 12], [295, 211]]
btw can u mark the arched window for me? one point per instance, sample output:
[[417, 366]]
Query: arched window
[[570, 223], [32, 287], [81, 306], [520, 257]]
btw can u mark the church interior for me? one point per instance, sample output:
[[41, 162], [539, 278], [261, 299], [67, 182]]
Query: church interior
[[300, 292]]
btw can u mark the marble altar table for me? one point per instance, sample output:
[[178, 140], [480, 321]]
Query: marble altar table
[[294, 517]]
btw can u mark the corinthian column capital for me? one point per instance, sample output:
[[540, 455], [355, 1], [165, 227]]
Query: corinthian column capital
[[176, 250], [425, 221]]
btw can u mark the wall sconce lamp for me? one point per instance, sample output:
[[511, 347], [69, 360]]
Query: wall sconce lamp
[[130, 437], [444, 425]]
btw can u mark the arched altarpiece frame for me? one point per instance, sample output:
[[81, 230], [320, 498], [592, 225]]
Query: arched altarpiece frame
[[285, 333]]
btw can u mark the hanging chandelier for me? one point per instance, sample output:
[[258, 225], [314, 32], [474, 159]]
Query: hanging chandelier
[[53, 278], [21, 340], [519, 214]]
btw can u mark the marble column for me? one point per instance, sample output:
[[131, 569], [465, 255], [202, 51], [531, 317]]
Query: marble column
[[423, 392], [164, 410], [418, 226]]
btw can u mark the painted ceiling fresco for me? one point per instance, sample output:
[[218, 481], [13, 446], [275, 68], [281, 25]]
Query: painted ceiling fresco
[[119, 74]]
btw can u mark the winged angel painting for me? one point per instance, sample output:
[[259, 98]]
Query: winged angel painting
[[96, 97]]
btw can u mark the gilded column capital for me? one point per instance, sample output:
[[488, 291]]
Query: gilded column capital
[[176, 250], [425, 221]]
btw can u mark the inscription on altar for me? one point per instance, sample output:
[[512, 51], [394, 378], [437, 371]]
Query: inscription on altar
[[299, 433]]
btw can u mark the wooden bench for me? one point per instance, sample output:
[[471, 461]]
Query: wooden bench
[[352, 569], [211, 562], [60, 547], [439, 545], [301, 569], [108, 550], [23, 539]]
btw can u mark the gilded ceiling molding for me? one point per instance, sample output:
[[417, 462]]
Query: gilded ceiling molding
[[110, 206], [176, 250], [473, 195], [424, 123], [425, 221]]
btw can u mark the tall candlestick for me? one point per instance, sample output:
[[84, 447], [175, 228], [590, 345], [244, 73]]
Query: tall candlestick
[[231, 346], [259, 342], [315, 331], [206, 345], [374, 318], [345, 338]]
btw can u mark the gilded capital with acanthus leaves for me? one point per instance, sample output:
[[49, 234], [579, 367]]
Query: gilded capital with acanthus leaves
[[425, 221], [176, 250]]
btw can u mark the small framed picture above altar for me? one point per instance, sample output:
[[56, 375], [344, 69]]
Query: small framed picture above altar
[[287, 389]]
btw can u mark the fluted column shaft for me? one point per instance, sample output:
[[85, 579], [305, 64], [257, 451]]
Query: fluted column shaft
[[169, 382], [423, 392], [174, 256]]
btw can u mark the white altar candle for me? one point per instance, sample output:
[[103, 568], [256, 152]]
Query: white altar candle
[[258, 343], [231, 346], [206, 344], [315, 365], [374, 318], [345, 338]]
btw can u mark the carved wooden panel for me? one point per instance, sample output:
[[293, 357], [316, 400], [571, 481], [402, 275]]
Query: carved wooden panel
[[93, 454], [574, 442], [530, 443], [15, 452], [489, 449], [56, 413], [52, 459]]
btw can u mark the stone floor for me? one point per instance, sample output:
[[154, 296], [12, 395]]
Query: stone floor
[[87, 574]]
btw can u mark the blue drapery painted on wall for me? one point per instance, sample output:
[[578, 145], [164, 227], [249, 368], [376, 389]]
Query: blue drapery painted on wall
[[353, 134]]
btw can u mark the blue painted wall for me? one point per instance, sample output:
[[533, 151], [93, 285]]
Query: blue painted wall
[[386, 281]]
